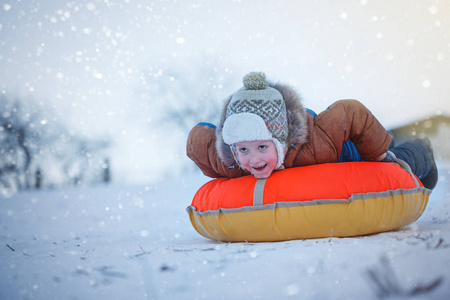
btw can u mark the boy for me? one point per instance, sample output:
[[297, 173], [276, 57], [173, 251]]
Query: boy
[[264, 127]]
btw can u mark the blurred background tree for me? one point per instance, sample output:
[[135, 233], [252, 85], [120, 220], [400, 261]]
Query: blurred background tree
[[36, 151]]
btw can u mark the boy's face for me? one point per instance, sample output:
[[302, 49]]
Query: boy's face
[[258, 157]]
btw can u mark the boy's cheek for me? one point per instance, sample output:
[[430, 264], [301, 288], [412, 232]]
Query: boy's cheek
[[242, 157]]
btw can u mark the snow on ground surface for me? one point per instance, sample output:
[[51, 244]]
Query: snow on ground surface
[[136, 242]]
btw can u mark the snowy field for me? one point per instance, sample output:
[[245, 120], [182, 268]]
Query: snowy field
[[137, 243]]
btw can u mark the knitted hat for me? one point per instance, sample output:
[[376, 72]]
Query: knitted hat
[[256, 112]]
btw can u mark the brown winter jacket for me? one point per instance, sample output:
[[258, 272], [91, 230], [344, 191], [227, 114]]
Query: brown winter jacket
[[322, 141]]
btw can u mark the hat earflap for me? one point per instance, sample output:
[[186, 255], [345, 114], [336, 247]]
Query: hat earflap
[[281, 151]]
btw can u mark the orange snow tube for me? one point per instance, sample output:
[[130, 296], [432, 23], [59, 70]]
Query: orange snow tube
[[339, 200]]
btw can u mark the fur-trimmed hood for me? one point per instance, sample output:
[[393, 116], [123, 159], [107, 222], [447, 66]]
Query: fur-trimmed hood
[[296, 116]]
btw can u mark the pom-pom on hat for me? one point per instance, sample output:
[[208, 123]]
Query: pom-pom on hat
[[256, 112]]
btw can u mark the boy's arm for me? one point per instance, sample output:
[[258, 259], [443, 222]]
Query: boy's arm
[[351, 120], [201, 148]]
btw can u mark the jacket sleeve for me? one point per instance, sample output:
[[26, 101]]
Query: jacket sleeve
[[350, 120], [201, 148]]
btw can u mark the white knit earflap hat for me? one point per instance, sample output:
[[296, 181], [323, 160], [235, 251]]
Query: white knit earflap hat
[[256, 112]]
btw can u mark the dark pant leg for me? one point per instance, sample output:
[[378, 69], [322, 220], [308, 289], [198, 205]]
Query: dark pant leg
[[416, 154]]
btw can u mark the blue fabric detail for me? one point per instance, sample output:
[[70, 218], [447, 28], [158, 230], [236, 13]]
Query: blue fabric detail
[[313, 113], [207, 124], [348, 151]]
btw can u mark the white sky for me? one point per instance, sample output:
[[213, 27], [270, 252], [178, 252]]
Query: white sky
[[85, 59]]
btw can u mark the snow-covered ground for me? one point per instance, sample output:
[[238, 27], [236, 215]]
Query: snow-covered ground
[[136, 242]]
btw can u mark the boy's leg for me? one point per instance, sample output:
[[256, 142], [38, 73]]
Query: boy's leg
[[419, 156]]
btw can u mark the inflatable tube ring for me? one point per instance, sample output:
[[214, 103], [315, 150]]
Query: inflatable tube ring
[[335, 199]]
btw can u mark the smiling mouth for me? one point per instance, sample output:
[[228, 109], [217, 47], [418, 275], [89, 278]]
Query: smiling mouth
[[259, 168]]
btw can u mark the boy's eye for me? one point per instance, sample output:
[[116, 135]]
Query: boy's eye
[[243, 150], [262, 147]]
